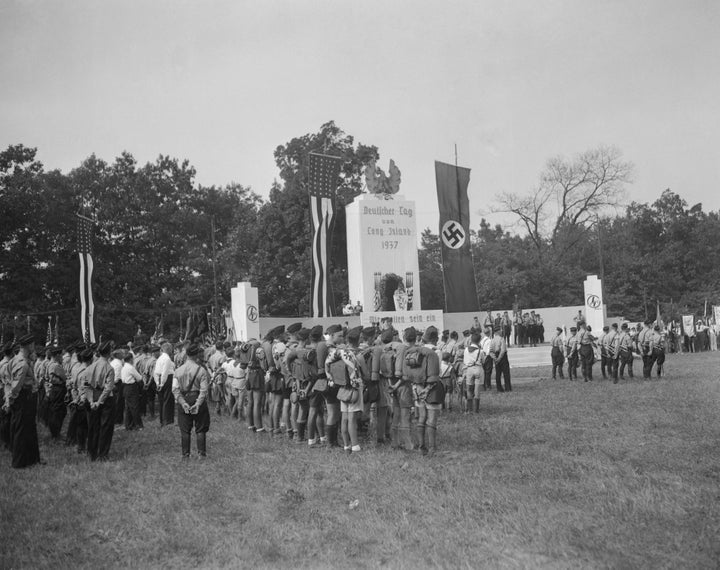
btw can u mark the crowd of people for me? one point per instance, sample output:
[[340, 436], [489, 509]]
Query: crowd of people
[[319, 387]]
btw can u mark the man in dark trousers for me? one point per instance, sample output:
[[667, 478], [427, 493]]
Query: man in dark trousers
[[21, 402], [189, 388], [163, 375], [498, 352], [99, 383]]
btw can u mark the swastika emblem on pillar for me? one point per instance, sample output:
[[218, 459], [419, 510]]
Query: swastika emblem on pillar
[[453, 234]]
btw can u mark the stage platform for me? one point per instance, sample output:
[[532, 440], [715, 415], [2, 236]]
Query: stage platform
[[529, 356]]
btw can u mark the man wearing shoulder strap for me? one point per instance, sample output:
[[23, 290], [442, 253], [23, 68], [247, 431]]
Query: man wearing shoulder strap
[[190, 387]]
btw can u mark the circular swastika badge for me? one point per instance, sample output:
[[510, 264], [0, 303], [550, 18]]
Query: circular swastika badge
[[593, 301], [252, 313], [453, 234]]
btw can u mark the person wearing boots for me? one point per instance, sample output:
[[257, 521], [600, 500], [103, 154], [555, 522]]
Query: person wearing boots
[[427, 412], [190, 387]]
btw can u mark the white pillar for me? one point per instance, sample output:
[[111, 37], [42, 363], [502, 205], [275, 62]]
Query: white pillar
[[594, 304], [245, 312]]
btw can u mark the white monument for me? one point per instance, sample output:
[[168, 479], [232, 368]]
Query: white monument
[[383, 269], [245, 312], [594, 305]]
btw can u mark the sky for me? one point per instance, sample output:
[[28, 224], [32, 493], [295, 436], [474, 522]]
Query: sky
[[512, 84]]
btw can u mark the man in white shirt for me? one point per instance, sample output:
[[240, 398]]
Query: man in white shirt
[[131, 381], [117, 363], [164, 370]]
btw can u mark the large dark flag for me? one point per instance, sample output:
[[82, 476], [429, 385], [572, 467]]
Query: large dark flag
[[458, 273], [87, 304], [322, 186]]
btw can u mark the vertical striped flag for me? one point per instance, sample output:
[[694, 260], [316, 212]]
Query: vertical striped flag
[[322, 185], [87, 304], [49, 335]]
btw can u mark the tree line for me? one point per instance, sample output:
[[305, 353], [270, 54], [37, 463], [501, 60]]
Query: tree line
[[158, 232]]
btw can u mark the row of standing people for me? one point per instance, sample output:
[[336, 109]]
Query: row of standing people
[[614, 347]]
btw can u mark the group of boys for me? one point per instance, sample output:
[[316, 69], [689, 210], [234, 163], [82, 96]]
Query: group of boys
[[615, 347]]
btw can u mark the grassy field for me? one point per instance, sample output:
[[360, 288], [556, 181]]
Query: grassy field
[[552, 475]]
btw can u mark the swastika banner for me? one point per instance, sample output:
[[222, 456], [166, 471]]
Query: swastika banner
[[458, 273]]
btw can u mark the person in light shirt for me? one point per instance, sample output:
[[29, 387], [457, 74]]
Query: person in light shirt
[[117, 363], [163, 374], [132, 382]]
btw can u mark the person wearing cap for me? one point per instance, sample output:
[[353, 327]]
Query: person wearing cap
[[333, 405], [273, 381], [643, 344], [5, 380], [624, 354], [163, 374], [473, 359], [40, 370], [278, 351], [657, 350], [350, 411], [236, 383], [21, 401], [316, 399], [301, 361], [427, 412], [77, 420], [56, 388], [290, 409], [132, 381], [498, 353], [140, 359], [384, 375], [571, 351], [403, 399], [585, 342], [556, 353], [99, 383], [190, 385]]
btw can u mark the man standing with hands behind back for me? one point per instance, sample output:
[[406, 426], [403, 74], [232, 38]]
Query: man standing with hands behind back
[[190, 387]]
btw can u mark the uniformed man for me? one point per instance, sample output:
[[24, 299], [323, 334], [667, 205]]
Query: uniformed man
[[643, 343], [190, 387], [98, 397], [56, 388], [624, 355], [402, 395], [117, 363], [274, 379], [473, 359], [571, 351], [498, 352], [427, 409], [604, 361], [21, 402], [383, 371], [585, 342], [302, 364], [317, 395], [556, 353], [612, 348], [77, 422], [132, 382], [657, 350], [290, 409]]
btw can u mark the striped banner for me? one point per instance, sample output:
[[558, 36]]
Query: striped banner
[[322, 187], [87, 304]]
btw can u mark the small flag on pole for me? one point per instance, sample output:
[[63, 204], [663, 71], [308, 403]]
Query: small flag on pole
[[87, 304], [322, 185]]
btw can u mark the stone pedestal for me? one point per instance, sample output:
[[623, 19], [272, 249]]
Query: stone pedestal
[[383, 269], [245, 313]]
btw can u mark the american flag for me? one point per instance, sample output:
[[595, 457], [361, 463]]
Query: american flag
[[87, 305], [322, 184]]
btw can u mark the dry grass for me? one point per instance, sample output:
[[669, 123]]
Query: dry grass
[[553, 475]]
